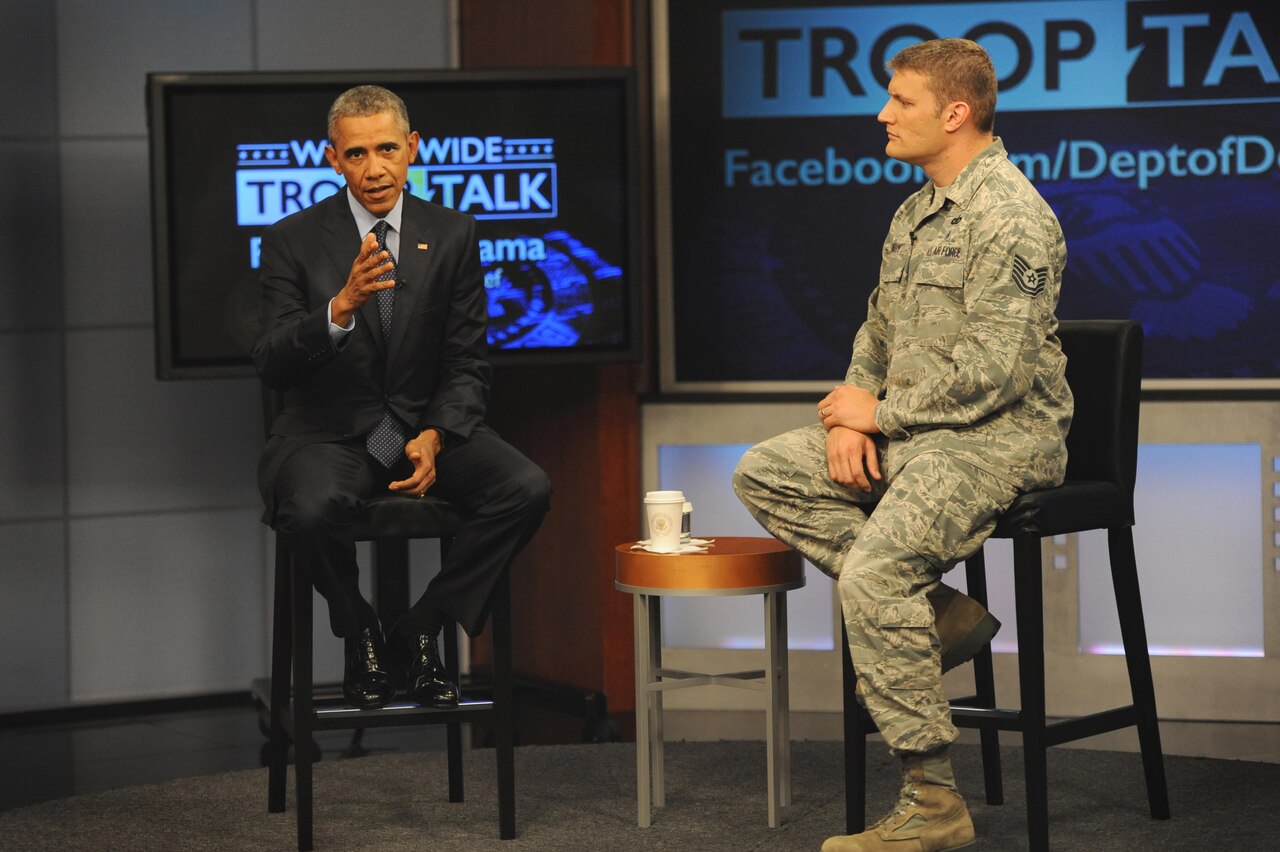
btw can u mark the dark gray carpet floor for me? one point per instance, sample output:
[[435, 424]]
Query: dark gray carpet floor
[[582, 797]]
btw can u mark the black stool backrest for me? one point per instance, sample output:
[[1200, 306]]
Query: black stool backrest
[[1104, 369]]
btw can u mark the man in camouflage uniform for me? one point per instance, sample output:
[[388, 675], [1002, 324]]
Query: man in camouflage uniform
[[954, 402]]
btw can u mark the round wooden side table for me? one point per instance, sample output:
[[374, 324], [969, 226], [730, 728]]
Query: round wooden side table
[[731, 566]]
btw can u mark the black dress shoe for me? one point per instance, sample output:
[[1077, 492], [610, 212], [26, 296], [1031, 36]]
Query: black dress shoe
[[366, 682], [425, 678]]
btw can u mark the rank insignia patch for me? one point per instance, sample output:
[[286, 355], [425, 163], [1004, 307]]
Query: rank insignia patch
[[1030, 281]]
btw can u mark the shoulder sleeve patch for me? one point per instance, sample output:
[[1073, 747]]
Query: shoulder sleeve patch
[[1030, 281]]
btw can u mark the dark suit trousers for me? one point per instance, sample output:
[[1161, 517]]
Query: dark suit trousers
[[501, 495]]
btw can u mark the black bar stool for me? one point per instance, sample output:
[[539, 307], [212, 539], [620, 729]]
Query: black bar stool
[[1104, 369]]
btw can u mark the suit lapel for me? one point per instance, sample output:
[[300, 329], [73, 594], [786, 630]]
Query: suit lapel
[[343, 244]]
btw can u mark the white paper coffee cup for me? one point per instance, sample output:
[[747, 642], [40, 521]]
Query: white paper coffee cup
[[663, 511]]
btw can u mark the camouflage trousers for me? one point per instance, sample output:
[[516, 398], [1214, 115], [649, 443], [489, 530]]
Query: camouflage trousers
[[886, 549]]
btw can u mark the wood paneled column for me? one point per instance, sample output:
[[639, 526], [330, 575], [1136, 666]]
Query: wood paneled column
[[580, 423]]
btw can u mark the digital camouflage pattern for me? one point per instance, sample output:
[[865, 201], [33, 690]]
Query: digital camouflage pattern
[[932, 513], [959, 339], [959, 345]]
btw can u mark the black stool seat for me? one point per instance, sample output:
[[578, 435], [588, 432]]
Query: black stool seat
[[1071, 507], [393, 516]]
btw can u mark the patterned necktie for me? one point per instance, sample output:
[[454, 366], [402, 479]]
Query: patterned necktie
[[386, 442], [386, 298]]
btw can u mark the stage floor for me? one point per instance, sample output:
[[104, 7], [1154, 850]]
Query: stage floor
[[56, 761]]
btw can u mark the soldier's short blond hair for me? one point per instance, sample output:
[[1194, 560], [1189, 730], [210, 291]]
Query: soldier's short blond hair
[[956, 69]]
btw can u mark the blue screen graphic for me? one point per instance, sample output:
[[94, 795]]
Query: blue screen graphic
[[1152, 127]]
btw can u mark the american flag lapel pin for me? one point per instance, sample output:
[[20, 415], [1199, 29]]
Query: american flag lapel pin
[[423, 246]]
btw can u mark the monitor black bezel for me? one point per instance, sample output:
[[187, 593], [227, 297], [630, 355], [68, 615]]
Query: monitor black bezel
[[160, 85]]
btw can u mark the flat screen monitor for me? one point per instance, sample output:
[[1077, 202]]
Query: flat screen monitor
[[544, 160], [1152, 127]]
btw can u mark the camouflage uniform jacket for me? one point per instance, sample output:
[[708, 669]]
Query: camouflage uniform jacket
[[959, 339]]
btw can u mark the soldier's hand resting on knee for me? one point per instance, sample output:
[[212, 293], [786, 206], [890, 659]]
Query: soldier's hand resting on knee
[[851, 458]]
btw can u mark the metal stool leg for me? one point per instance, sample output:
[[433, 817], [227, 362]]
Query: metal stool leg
[[1029, 592], [504, 708], [644, 665], [302, 705], [657, 736], [775, 714], [784, 697], [855, 745], [453, 730], [984, 681], [1133, 630], [281, 673]]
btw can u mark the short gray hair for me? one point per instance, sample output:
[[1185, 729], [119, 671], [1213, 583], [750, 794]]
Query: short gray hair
[[367, 100]]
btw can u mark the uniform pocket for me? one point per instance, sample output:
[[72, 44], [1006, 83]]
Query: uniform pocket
[[939, 266], [904, 613], [891, 267], [908, 661], [938, 288], [889, 295]]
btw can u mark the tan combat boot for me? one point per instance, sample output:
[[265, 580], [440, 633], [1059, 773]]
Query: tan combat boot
[[963, 626], [930, 815]]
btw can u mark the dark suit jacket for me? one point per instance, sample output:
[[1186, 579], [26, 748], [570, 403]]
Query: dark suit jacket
[[433, 371]]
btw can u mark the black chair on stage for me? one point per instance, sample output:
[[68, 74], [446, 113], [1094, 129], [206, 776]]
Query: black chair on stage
[[1104, 367], [297, 707]]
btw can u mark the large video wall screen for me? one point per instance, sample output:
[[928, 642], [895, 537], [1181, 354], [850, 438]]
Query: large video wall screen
[[1152, 127]]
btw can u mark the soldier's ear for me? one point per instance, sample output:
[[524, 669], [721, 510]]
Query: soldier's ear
[[956, 115]]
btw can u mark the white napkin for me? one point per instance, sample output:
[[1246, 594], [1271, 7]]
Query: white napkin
[[689, 545]]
